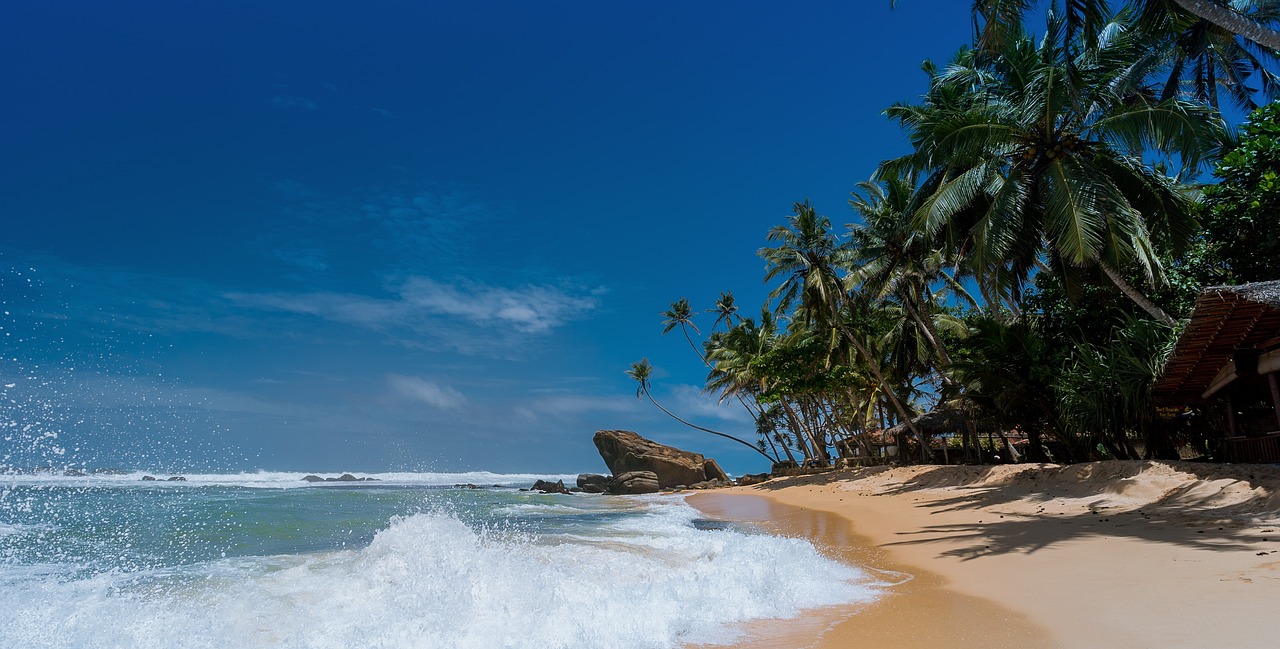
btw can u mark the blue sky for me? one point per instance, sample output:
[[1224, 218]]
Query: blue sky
[[408, 235]]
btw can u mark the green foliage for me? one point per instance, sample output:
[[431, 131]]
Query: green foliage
[[1241, 214], [1104, 391]]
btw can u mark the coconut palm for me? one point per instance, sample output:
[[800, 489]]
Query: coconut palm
[[680, 315], [891, 259], [1205, 57], [1043, 168], [997, 21]]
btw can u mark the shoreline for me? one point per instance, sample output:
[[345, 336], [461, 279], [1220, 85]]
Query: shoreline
[[1123, 554]]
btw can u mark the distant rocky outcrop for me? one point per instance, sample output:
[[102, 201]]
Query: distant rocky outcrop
[[635, 482], [548, 487], [177, 478], [593, 483], [624, 451], [346, 477]]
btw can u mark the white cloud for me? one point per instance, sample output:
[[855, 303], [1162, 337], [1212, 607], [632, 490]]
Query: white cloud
[[530, 309], [441, 397]]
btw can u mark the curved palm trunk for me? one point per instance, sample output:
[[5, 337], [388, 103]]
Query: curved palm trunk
[[819, 452], [1134, 294], [705, 430], [1232, 21]]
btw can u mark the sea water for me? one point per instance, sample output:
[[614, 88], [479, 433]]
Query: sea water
[[409, 560]]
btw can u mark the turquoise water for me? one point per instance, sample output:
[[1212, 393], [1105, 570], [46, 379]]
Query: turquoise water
[[266, 560]]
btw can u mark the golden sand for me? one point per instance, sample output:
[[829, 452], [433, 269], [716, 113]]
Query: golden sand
[[1107, 554]]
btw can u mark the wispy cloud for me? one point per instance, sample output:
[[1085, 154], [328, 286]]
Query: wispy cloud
[[422, 302], [441, 397], [566, 406], [291, 102]]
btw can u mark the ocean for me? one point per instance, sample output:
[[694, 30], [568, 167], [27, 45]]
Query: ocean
[[410, 560]]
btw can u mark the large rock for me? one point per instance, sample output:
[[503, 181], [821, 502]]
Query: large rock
[[624, 451], [713, 471], [635, 482]]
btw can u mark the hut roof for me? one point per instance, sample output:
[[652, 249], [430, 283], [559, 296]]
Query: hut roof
[[1226, 318], [934, 422]]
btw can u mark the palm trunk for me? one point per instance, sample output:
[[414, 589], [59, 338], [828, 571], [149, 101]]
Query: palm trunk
[[1232, 21], [705, 430], [1134, 294]]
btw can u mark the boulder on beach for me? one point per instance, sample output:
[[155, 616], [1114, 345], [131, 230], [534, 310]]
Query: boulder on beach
[[635, 482], [593, 483], [713, 471], [753, 478], [624, 451]]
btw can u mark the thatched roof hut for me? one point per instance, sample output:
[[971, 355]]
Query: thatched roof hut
[[1230, 354], [1231, 327]]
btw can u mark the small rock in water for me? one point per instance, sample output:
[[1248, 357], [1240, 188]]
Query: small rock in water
[[466, 486], [148, 478], [548, 487], [312, 478], [177, 478]]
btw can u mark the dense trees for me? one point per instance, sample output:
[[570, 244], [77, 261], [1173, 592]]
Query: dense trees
[[1021, 272]]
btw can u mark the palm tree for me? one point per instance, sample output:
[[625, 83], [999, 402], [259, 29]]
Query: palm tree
[[642, 372], [996, 21], [1044, 161], [892, 259], [806, 256], [682, 316], [1206, 57], [725, 310]]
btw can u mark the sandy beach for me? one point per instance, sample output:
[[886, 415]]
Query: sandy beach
[[1106, 554]]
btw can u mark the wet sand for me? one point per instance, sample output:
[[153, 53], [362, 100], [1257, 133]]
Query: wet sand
[[1108, 554]]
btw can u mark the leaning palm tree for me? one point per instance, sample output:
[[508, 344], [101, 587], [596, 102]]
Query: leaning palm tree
[[642, 372], [1043, 168]]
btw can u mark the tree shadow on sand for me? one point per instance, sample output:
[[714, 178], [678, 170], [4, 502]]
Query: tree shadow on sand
[[1082, 501]]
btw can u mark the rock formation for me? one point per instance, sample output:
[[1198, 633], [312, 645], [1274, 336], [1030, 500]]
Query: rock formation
[[548, 487], [624, 451], [593, 483], [635, 482]]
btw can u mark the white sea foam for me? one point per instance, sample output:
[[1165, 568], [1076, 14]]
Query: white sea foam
[[428, 580]]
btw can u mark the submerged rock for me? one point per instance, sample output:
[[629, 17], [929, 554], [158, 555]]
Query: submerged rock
[[624, 451], [177, 478], [635, 482]]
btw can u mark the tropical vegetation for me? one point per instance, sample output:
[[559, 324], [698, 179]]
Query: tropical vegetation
[[1010, 288]]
